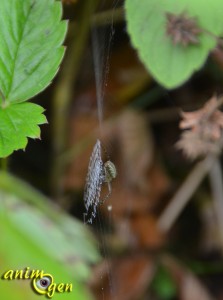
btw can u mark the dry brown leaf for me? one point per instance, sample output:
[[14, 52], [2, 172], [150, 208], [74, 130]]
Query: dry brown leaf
[[144, 229], [207, 121], [204, 130], [129, 277], [193, 146], [137, 149]]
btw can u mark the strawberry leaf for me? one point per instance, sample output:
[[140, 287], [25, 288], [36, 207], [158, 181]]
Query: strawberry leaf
[[31, 37], [172, 64], [17, 123], [31, 34]]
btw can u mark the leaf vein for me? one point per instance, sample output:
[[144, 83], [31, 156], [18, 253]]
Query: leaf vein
[[17, 51]]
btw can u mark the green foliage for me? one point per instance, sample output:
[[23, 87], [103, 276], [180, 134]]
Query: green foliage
[[170, 64], [163, 284], [40, 237], [17, 122], [30, 53]]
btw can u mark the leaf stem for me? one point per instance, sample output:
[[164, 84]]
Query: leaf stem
[[4, 164], [216, 180]]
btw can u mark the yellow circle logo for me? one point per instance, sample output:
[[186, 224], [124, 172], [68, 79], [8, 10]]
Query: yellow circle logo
[[41, 285]]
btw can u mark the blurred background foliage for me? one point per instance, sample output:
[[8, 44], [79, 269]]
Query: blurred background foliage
[[128, 258], [37, 235]]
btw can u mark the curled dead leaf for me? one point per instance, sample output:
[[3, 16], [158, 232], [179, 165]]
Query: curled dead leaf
[[203, 130], [193, 146]]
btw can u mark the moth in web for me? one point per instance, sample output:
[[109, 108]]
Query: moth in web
[[98, 174]]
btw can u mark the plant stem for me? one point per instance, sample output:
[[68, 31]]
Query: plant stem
[[183, 195], [216, 182], [4, 164], [104, 18]]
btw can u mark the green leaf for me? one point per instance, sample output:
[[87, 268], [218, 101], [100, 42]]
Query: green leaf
[[45, 238], [170, 64], [31, 34], [17, 122], [18, 251]]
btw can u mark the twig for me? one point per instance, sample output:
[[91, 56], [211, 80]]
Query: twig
[[216, 182], [183, 195], [104, 18]]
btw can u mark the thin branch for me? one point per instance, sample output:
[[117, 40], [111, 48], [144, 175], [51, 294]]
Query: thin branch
[[104, 18], [183, 195], [216, 182]]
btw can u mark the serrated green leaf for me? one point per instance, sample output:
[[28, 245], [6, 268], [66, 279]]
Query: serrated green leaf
[[170, 64], [17, 123], [31, 34]]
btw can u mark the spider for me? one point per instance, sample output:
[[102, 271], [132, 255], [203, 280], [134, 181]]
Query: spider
[[110, 173], [98, 174]]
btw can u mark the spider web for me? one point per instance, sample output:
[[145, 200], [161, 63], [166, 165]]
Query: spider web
[[94, 181], [102, 40]]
